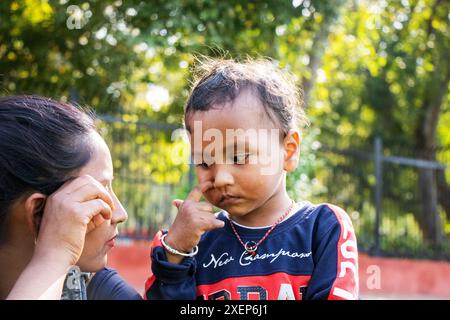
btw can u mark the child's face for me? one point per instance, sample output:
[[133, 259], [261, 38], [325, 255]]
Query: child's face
[[247, 168]]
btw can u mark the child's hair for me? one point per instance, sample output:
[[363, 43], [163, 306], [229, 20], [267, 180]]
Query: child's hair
[[220, 81]]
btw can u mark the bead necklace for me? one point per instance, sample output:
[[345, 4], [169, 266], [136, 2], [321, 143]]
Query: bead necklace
[[251, 246]]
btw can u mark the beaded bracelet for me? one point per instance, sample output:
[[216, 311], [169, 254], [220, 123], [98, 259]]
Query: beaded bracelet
[[174, 251]]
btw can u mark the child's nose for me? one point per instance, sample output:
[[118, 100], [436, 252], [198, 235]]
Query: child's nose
[[222, 177]]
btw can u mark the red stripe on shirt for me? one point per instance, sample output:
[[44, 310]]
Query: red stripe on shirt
[[274, 287], [345, 287]]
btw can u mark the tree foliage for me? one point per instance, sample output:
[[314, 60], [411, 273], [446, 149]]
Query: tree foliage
[[368, 68]]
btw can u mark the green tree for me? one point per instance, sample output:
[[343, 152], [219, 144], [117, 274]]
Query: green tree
[[368, 68]]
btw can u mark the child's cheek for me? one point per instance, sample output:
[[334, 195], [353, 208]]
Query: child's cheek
[[211, 197], [202, 175]]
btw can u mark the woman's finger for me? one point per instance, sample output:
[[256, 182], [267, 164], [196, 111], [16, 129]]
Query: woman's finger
[[92, 208], [95, 222], [98, 220], [91, 191], [76, 183]]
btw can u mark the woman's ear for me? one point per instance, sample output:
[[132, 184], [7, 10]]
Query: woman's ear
[[291, 145], [34, 209]]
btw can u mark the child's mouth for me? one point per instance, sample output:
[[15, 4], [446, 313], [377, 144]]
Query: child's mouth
[[227, 200]]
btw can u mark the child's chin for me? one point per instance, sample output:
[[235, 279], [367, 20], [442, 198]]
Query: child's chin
[[235, 210]]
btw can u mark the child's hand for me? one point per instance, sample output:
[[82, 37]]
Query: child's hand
[[194, 218]]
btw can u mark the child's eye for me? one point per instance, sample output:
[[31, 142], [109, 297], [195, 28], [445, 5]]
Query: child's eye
[[240, 158], [204, 165]]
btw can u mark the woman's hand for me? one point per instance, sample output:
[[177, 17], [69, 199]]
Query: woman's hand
[[194, 218], [75, 209]]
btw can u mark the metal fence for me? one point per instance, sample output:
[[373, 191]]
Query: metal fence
[[135, 148], [385, 200], [380, 193]]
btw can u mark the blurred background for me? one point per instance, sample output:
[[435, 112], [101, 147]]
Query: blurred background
[[375, 76]]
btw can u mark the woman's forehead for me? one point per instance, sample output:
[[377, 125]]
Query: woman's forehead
[[100, 165]]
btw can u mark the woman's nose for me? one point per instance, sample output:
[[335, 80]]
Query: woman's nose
[[119, 215], [222, 177]]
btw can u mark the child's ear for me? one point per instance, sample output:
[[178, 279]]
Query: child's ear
[[291, 144], [34, 209]]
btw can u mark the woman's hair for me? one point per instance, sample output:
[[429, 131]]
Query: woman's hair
[[220, 81], [43, 144]]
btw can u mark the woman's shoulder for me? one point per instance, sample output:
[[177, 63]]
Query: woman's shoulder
[[107, 284], [75, 284]]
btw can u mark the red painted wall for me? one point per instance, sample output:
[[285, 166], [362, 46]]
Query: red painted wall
[[403, 277], [379, 278]]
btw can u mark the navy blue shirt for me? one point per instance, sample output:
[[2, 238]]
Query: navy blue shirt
[[107, 284], [310, 255]]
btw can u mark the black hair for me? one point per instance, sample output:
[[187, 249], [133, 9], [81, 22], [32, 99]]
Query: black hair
[[220, 81], [43, 143]]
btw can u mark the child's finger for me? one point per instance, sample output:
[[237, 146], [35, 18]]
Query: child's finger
[[205, 186], [177, 203], [197, 193], [214, 223], [204, 206]]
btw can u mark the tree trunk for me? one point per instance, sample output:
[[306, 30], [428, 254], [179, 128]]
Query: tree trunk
[[426, 149], [315, 60], [429, 179], [429, 219], [317, 50], [443, 192]]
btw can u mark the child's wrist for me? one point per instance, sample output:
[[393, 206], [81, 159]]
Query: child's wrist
[[172, 247]]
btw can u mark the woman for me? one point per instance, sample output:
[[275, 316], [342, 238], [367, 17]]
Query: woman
[[57, 206]]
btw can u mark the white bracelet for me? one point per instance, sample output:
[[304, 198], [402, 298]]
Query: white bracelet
[[174, 251]]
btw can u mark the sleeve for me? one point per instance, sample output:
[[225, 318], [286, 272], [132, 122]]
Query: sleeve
[[107, 284], [169, 281], [335, 254]]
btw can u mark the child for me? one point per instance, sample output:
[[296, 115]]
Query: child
[[262, 245]]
